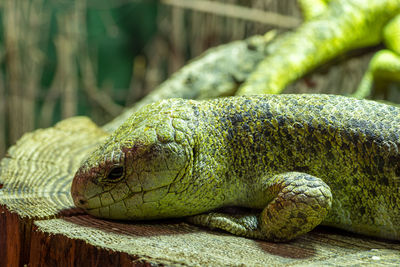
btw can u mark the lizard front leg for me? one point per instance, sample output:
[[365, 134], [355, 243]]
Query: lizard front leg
[[300, 202], [384, 66], [312, 8]]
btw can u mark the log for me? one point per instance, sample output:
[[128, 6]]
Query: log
[[39, 225]]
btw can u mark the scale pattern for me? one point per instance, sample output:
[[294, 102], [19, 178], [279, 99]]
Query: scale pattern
[[338, 155]]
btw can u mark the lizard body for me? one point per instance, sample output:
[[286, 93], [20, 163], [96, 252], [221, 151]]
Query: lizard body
[[300, 159]]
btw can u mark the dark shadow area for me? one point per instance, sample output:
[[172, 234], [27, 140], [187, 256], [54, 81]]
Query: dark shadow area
[[134, 229], [344, 238], [305, 247], [179, 227]]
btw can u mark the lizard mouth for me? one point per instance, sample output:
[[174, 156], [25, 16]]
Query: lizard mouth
[[134, 205]]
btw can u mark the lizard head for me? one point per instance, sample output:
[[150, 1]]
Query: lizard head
[[140, 168]]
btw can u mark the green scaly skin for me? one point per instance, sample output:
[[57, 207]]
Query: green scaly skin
[[311, 9], [328, 32], [298, 160], [384, 66]]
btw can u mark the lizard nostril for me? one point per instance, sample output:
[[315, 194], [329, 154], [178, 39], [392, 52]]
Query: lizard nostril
[[82, 202]]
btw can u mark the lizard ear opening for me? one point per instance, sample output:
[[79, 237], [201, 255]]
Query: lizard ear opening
[[116, 173]]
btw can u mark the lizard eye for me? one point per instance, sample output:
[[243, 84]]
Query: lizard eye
[[116, 173]]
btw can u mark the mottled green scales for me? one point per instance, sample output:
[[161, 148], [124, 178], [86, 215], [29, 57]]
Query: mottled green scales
[[295, 160]]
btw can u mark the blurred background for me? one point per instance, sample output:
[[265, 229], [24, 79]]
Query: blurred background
[[61, 58]]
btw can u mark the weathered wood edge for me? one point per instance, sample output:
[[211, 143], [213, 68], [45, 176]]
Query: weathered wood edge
[[14, 238], [23, 244]]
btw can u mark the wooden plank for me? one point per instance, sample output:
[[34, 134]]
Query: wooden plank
[[14, 238], [81, 240], [175, 242], [59, 250], [10, 239]]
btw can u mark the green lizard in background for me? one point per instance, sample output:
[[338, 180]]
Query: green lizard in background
[[296, 160], [384, 66], [331, 28]]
